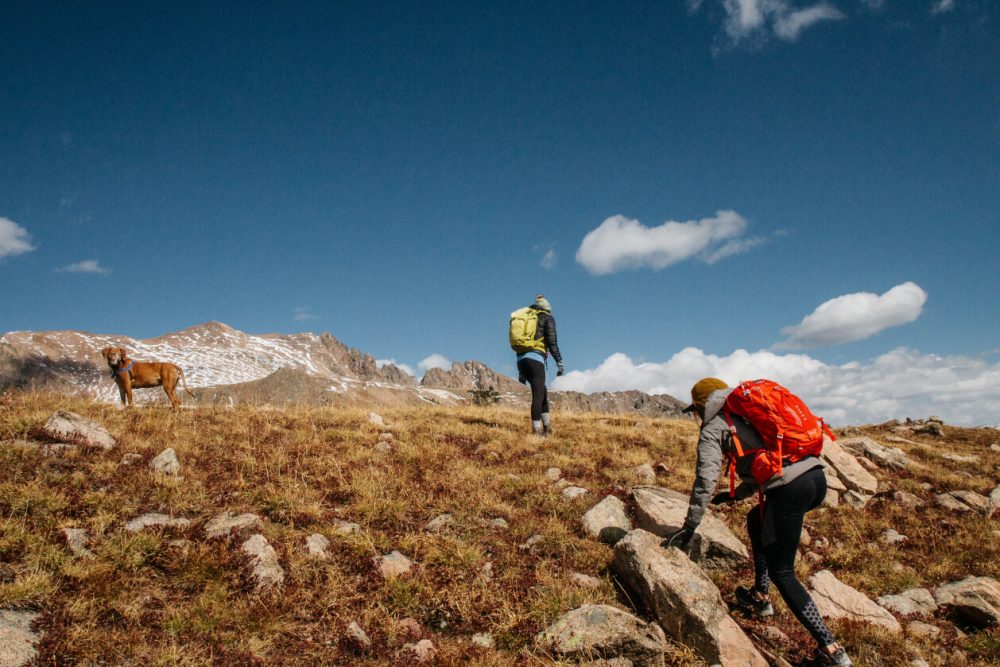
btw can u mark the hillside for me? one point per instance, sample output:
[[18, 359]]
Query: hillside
[[503, 564]]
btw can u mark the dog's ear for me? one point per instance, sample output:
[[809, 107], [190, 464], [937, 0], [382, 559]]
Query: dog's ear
[[105, 352], [124, 353]]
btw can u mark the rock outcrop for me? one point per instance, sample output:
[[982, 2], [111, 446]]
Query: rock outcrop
[[973, 600], [838, 600]]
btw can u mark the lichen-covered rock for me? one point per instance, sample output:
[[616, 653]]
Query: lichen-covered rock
[[155, 520], [226, 522], [850, 472], [837, 600], [71, 428], [317, 545], [975, 600], [267, 572], [887, 457], [910, 602], [166, 462], [601, 631], [607, 520], [393, 565], [17, 640]]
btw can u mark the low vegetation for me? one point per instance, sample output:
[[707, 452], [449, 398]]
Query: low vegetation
[[173, 597]]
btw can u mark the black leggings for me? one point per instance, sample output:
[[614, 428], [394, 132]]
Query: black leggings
[[534, 372], [784, 509]]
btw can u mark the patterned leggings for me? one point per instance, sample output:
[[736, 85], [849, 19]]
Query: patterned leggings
[[774, 539]]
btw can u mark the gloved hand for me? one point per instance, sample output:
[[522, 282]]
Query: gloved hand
[[680, 539], [723, 498], [560, 369], [522, 379]]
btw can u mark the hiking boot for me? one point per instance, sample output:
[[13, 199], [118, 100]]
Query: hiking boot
[[838, 658], [760, 608]]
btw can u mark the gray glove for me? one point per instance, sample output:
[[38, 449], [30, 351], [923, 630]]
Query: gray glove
[[560, 369]]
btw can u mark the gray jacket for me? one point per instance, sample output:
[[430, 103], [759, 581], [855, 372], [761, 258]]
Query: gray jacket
[[714, 443]]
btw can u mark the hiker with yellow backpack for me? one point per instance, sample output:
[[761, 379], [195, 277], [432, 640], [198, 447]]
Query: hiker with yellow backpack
[[766, 436], [533, 338]]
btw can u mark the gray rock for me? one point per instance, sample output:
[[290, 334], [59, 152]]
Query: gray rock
[[995, 447], [975, 600], [531, 542], [17, 640], [976, 501], [131, 458], [393, 565], [382, 447], [226, 522], [166, 462], [854, 499], [76, 540], [832, 481], [959, 458], [483, 640], [317, 545], [500, 523], [918, 662], [375, 419], [601, 631], [950, 502], [155, 520], [345, 527], [486, 572], [439, 523], [910, 602], [386, 437], [357, 636], [607, 520], [907, 499], [266, 570], [71, 428], [832, 498], [584, 580], [923, 630], [837, 600], [422, 651], [848, 469], [573, 492], [644, 474], [662, 512], [890, 536], [887, 457], [553, 474], [995, 497], [682, 599]]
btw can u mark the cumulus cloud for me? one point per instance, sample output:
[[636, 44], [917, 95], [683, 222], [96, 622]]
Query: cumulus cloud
[[759, 19], [434, 361], [85, 266], [856, 316], [548, 260], [380, 363], [901, 383], [942, 6], [14, 239], [622, 243]]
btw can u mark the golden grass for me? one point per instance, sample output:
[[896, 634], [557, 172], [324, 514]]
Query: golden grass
[[171, 597]]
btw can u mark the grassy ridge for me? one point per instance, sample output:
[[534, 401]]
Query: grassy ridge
[[173, 597]]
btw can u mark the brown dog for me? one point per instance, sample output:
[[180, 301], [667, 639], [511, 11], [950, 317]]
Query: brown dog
[[131, 375]]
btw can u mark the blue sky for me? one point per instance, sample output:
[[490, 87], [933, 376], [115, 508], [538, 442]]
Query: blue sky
[[404, 176]]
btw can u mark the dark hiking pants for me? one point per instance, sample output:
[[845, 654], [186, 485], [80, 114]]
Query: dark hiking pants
[[534, 372], [774, 539]]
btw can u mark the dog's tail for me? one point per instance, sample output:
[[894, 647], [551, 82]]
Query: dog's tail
[[180, 371]]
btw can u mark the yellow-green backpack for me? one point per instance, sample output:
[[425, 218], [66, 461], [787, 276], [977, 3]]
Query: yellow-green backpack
[[523, 327]]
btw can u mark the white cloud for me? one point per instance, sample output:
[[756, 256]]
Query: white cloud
[[856, 316], [548, 260], [622, 243], [901, 383], [758, 19], [434, 361], [302, 314], [14, 239], [942, 7], [790, 25], [380, 363], [85, 266]]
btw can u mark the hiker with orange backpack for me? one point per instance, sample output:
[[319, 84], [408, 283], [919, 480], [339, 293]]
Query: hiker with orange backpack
[[770, 440], [533, 339]]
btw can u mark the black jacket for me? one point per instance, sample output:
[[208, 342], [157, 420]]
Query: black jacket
[[547, 331]]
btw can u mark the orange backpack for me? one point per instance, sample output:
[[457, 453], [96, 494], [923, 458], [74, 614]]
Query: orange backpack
[[789, 431]]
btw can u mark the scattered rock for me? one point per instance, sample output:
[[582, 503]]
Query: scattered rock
[[573, 492], [662, 512], [584, 580], [561, 484], [890, 536], [499, 523], [774, 635], [155, 520], [408, 629], [832, 498], [854, 499], [644, 474], [950, 502], [661, 468], [382, 447], [602, 631], [357, 636], [682, 599], [918, 662], [439, 523], [995, 447], [393, 565], [317, 545], [848, 469], [531, 542], [344, 527], [483, 640], [923, 630], [976, 501], [386, 437], [422, 651], [71, 428], [17, 641], [959, 458], [76, 540], [910, 602], [553, 474], [932, 428], [266, 570], [486, 572], [375, 419], [907, 500], [131, 458], [837, 600], [974, 600], [607, 520], [887, 457], [226, 522], [166, 462]]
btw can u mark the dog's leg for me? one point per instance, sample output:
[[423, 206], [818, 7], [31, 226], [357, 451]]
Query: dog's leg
[[121, 391], [169, 387], [127, 383]]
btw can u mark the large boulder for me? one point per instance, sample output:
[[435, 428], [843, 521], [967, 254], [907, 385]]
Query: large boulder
[[683, 599], [607, 520], [974, 600], [598, 631], [850, 472], [837, 600], [662, 511], [17, 641], [71, 428], [887, 457]]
